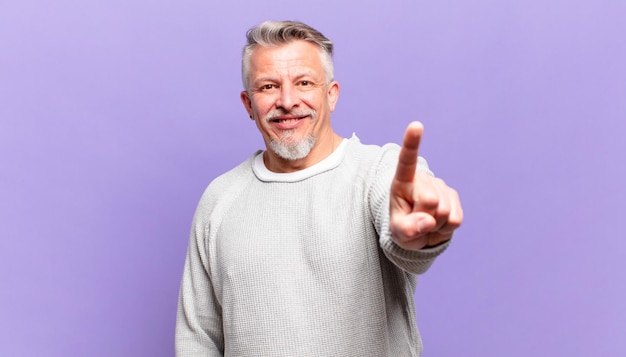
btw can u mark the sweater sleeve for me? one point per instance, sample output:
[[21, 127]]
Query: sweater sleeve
[[199, 318], [416, 262]]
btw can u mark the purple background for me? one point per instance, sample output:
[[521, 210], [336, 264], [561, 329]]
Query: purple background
[[115, 115]]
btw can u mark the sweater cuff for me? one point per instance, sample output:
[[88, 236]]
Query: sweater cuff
[[413, 261]]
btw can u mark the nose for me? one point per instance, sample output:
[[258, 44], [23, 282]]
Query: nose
[[288, 97]]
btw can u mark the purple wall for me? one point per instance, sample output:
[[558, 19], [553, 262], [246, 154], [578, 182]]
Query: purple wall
[[114, 116]]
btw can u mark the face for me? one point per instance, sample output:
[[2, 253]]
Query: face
[[290, 100]]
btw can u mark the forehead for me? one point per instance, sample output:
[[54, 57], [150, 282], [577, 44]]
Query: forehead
[[294, 55]]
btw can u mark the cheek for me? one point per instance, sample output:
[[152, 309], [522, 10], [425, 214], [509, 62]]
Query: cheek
[[262, 127], [262, 107], [313, 101]]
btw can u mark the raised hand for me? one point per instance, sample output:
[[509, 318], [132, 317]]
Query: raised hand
[[423, 210]]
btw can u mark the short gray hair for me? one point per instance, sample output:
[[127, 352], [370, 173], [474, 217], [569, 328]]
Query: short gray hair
[[276, 33]]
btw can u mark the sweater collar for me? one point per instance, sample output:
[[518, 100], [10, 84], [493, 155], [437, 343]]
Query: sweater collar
[[333, 160]]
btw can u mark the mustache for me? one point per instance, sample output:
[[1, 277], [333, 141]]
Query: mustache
[[274, 114]]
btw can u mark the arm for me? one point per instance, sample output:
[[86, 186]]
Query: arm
[[199, 318]]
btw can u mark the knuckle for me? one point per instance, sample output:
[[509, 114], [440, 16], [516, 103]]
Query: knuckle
[[427, 197]]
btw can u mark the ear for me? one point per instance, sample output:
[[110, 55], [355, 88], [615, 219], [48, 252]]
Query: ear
[[247, 102], [333, 94]]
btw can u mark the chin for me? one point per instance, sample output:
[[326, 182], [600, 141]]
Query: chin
[[293, 151]]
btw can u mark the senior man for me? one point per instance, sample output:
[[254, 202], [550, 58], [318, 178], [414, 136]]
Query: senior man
[[312, 246]]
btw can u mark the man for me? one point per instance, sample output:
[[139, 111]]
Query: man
[[311, 247]]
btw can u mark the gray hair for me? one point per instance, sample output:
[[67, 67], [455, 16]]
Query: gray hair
[[276, 33]]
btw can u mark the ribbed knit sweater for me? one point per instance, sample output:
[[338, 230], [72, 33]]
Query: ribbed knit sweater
[[301, 264]]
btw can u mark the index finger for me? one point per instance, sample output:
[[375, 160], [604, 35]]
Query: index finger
[[407, 161]]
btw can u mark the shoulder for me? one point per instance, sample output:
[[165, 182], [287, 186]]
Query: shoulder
[[382, 158], [370, 152], [372, 157], [226, 186]]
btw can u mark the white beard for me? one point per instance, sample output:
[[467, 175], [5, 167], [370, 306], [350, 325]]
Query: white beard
[[293, 150], [288, 148]]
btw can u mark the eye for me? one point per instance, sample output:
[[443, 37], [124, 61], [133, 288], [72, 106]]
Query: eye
[[266, 87], [305, 83]]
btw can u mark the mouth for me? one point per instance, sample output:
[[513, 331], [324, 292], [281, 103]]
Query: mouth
[[288, 122], [287, 119]]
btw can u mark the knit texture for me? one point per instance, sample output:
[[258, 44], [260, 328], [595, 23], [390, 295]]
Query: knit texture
[[301, 264]]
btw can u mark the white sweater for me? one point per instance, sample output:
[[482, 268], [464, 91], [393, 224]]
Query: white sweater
[[301, 264]]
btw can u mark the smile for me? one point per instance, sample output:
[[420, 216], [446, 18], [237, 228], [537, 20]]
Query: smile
[[287, 120]]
